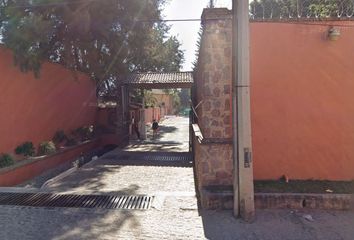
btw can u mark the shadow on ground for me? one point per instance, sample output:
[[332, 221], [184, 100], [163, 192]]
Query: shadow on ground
[[92, 178], [279, 224], [141, 158], [155, 146]]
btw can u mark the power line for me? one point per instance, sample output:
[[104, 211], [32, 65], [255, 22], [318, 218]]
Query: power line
[[298, 21]]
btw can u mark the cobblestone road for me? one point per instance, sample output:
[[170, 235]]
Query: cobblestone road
[[177, 220], [173, 136], [114, 172], [174, 214]]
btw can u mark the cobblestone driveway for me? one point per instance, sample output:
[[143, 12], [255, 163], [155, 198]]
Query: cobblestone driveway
[[178, 220]]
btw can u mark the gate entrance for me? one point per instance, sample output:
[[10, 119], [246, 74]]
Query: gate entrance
[[136, 117]]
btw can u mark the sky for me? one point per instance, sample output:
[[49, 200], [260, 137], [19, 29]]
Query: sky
[[187, 32]]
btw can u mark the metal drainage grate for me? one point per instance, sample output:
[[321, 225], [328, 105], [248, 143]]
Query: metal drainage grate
[[170, 158], [137, 202]]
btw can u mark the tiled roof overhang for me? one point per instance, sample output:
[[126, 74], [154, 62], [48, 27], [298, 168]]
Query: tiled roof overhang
[[160, 80]]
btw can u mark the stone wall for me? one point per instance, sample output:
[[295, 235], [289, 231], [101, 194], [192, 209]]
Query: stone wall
[[214, 164], [213, 74]]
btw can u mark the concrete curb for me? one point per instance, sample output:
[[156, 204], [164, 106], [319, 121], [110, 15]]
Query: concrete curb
[[19, 190], [224, 200], [66, 173], [299, 201], [58, 177]]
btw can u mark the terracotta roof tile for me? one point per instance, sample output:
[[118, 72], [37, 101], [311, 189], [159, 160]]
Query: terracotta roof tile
[[160, 78]]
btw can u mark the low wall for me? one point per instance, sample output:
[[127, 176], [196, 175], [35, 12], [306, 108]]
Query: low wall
[[30, 168]]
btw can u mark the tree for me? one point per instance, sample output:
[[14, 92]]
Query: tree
[[185, 97], [299, 8], [103, 38]]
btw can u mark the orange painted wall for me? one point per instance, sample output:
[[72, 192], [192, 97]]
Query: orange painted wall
[[167, 99], [302, 101], [33, 109], [153, 113]]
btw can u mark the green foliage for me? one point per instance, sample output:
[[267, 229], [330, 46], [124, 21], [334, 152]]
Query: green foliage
[[293, 8], [46, 148], [83, 133], [104, 39], [176, 101], [6, 160], [199, 42], [59, 137], [185, 97], [25, 149], [149, 99]]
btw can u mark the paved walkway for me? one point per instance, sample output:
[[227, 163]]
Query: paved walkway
[[122, 172], [177, 220], [173, 136], [174, 214], [134, 170]]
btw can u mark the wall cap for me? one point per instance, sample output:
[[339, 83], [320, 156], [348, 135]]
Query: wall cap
[[216, 14], [198, 134]]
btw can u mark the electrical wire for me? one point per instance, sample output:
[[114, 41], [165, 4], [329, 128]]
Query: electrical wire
[[305, 21]]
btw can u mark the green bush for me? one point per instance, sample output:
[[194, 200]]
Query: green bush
[[59, 137], [25, 149], [83, 133], [6, 160], [46, 148]]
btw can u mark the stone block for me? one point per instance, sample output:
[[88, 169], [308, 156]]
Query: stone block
[[215, 113], [227, 104], [227, 89], [207, 106], [216, 134]]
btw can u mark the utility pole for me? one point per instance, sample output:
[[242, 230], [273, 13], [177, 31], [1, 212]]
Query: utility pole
[[242, 139]]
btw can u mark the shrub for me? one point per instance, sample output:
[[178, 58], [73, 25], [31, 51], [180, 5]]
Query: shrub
[[46, 148], [83, 133], [6, 160], [26, 149], [59, 137]]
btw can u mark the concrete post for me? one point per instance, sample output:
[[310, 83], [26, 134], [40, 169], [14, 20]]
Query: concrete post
[[243, 166]]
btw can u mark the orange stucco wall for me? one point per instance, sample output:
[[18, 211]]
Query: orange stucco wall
[[302, 101], [167, 100], [33, 109], [153, 113]]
